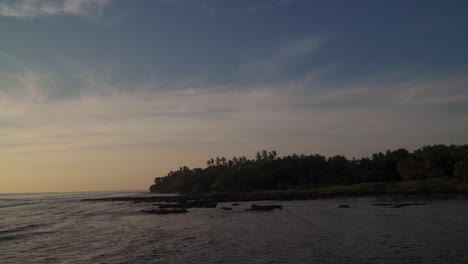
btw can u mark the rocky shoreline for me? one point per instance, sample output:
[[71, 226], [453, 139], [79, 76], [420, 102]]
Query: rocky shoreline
[[207, 200], [178, 204]]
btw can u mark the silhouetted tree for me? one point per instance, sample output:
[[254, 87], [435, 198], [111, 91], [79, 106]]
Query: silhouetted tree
[[268, 171], [461, 170]]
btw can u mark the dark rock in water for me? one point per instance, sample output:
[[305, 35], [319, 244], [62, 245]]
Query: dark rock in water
[[402, 205], [210, 205], [382, 204], [171, 205], [164, 211], [406, 204], [344, 206], [226, 208], [255, 207], [235, 204], [189, 204]]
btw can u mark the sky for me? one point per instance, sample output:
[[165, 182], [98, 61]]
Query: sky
[[108, 94]]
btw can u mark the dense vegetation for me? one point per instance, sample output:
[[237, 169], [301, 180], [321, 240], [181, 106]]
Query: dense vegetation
[[268, 171]]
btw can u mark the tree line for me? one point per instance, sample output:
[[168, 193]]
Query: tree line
[[268, 171]]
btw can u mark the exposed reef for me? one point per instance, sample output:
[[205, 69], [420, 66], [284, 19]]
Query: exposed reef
[[265, 208], [165, 212]]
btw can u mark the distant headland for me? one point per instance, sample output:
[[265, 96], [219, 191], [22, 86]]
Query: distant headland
[[437, 169]]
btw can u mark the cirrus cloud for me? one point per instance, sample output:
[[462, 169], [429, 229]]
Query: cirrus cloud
[[38, 8]]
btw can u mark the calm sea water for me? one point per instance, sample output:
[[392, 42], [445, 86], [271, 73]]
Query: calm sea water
[[59, 228]]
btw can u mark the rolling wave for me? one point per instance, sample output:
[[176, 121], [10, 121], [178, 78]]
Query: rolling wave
[[21, 229], [18, 204]]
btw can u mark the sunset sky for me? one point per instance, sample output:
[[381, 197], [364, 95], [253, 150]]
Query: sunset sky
[[108, 94]]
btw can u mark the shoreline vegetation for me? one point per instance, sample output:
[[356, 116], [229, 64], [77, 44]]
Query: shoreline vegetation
[[428, 170]]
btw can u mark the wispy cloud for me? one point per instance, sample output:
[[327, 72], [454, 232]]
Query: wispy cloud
[[451, 90], [214, 7], [361, 117], [38, 8], [285, 56], [300, 47]]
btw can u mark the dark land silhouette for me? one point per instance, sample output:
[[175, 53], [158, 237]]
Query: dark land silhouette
[[433, 169]]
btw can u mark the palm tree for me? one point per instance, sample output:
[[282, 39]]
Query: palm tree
[[243, 160], [258, 156], [273, 154]]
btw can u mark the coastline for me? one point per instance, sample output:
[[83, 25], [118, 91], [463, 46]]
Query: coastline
[[434, 188]]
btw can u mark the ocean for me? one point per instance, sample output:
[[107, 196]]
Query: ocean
[[60, 228]]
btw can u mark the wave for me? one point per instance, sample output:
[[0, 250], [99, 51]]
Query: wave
[[18, 204], [18, 236], [26, 231], [20, 229], [12, 237]]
